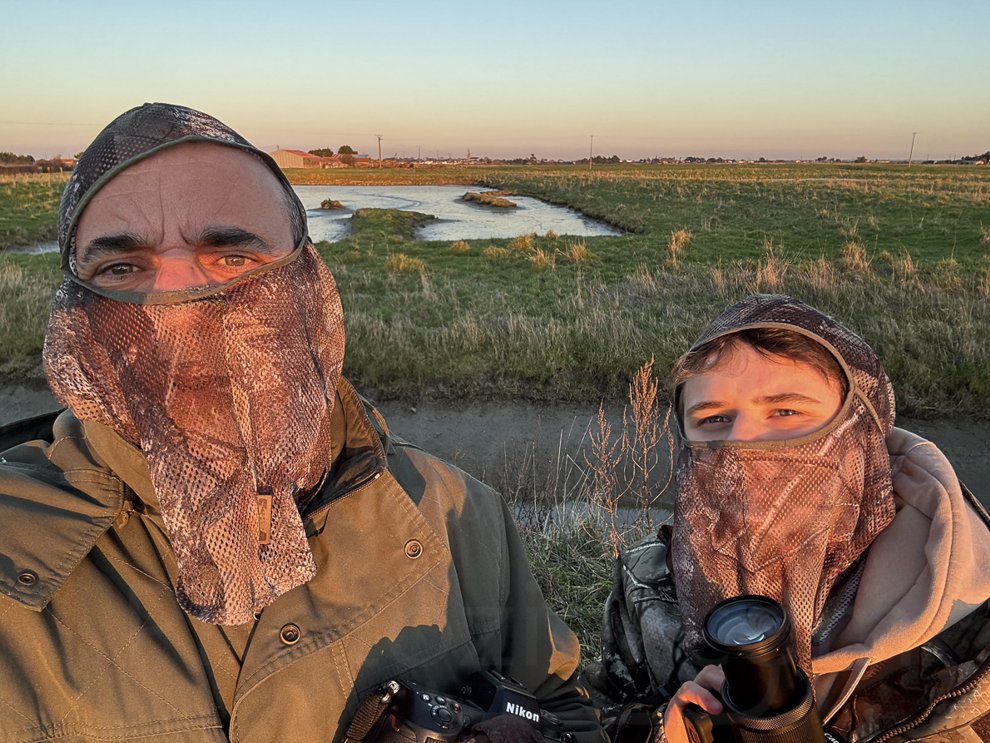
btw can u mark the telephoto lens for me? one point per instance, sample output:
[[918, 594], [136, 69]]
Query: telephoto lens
[[767, 698]]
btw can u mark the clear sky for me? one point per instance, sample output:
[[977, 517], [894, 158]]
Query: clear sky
[[730, 78]]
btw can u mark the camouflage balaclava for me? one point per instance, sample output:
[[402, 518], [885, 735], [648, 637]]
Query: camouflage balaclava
[[784, 518], [227, 390]]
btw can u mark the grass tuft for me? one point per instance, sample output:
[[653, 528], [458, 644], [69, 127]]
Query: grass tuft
[[523, 242], [579, 253], [854, 257], [542, 260], [402, 263], [679, 240], [495, 253]]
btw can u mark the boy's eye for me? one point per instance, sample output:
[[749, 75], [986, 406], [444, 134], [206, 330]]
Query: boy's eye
[[785, 412], [714, 419]]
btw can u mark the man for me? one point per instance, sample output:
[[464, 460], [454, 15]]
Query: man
[[221, 540]]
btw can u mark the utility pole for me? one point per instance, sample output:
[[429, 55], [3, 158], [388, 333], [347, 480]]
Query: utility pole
[[379, 149], [591, 151], [911, 154]]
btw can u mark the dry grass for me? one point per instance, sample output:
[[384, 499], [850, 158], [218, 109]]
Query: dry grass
[[905, 270], [460, 247], [679, 240], [771, 270], [947, 274], [597, 507], [402, 263], [821, 274], [495, 253], [854, 257], [984, 235], [579, 253], [523, 242], [542, 260]]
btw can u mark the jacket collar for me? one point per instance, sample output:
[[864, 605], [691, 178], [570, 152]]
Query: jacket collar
[[56, 500]]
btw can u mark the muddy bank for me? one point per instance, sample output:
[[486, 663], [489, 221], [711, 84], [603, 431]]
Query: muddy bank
[[494, 440]]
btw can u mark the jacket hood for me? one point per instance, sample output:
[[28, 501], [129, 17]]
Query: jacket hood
[[864, 372], [927, 570]]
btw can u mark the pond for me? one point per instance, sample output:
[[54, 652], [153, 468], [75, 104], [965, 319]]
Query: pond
[[456, 219]]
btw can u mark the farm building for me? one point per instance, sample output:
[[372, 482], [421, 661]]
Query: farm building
[[300, 159]]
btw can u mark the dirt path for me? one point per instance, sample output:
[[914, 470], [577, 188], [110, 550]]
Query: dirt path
[[493, 440]]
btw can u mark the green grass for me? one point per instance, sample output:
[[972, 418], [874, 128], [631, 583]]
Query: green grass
[[931, 212], [899, 255], [26, 285], [27, 208]]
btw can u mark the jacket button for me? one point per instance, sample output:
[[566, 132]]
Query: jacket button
[[413, 549], [27, 577], [290, 634]]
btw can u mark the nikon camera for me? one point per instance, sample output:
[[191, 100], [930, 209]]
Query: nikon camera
[[405, 712]]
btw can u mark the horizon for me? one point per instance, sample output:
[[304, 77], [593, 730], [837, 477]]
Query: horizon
[[643, 80]]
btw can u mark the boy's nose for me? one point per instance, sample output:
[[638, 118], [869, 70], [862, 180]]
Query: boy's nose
[[747, 428]]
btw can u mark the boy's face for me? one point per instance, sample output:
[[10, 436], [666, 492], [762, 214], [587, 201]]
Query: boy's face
[[746, 396]]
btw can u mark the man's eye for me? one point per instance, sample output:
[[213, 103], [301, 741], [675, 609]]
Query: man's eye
[[234, 261], [118, 269]]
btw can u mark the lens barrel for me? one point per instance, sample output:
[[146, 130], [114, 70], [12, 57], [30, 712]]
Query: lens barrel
[[767, 698]]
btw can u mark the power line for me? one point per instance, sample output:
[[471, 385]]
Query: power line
[[47, 123]]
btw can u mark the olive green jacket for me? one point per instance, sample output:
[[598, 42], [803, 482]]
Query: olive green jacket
[[421, 575]]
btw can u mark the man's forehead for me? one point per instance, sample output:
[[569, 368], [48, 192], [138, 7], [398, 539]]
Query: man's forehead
[[206, 155]]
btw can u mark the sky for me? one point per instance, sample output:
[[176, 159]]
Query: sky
[[789, 79]]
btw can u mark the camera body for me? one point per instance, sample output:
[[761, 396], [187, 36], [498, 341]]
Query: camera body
[[415, 714]]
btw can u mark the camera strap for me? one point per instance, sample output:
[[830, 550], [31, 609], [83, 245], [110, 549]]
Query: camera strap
[[370, 711]]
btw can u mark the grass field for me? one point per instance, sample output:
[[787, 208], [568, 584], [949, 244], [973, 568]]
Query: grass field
[[902, 255], [27, 208]]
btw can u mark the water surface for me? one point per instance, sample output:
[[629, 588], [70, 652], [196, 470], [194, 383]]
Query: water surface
[[457, 219]]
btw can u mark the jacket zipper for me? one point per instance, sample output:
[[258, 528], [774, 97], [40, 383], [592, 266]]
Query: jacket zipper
[[345, 493], [959, 691]]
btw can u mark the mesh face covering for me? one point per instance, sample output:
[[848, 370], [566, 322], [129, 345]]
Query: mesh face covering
[[784, 518], [228, 391]]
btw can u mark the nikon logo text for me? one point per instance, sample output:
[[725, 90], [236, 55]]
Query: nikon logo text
[[519, 711]]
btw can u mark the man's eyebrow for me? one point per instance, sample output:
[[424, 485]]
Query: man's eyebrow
[[112, 244], [224, 237]]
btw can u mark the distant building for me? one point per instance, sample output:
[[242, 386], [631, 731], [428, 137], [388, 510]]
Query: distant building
[[300, 159]]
